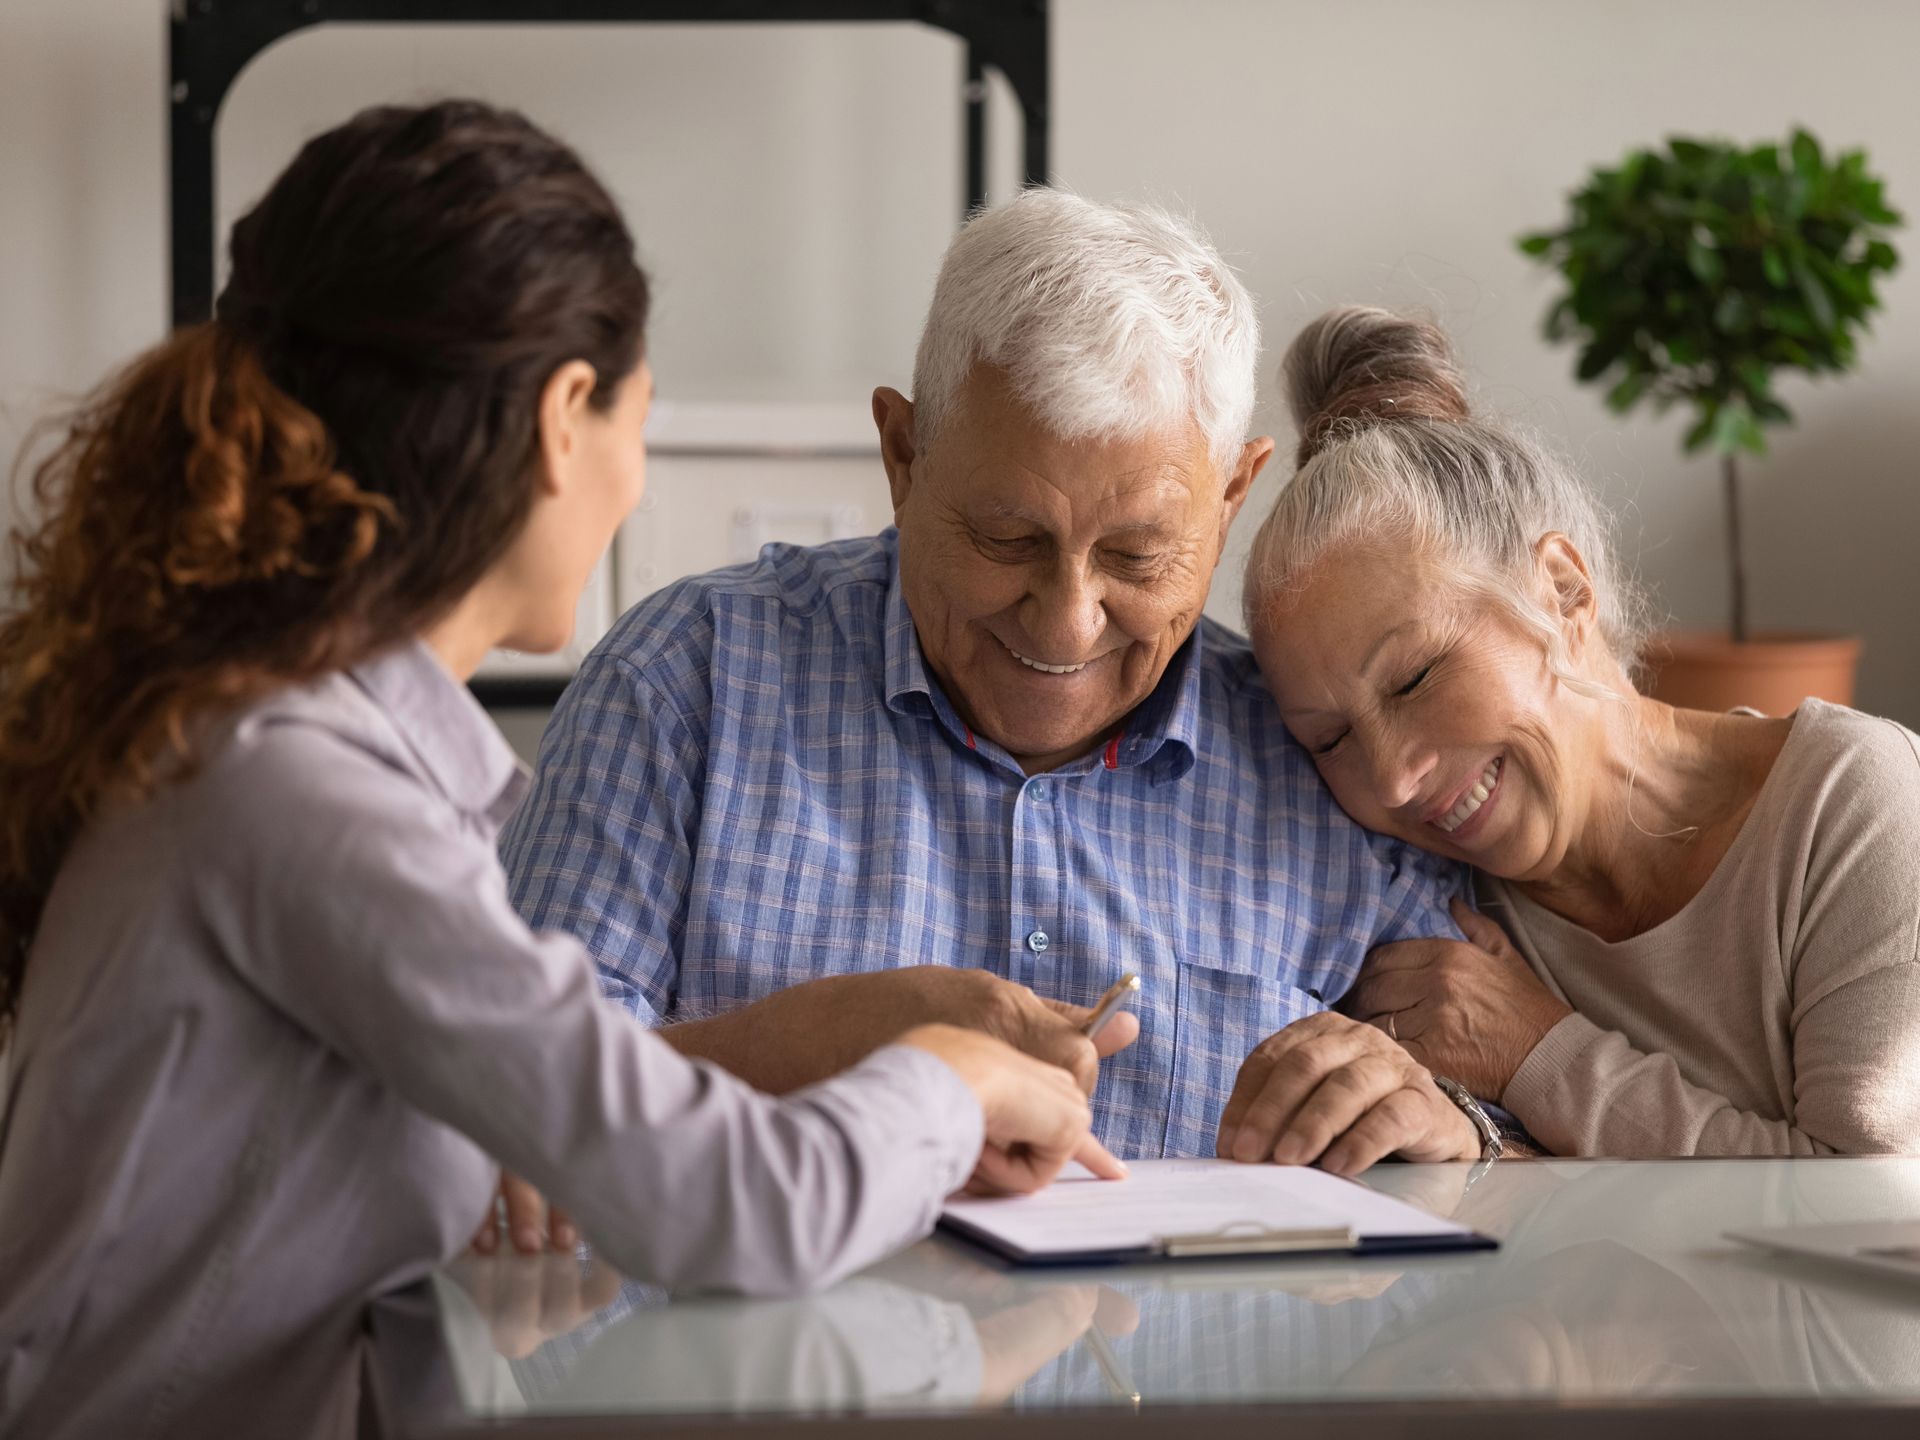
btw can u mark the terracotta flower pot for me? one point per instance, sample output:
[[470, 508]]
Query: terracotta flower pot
[[1705, 670]]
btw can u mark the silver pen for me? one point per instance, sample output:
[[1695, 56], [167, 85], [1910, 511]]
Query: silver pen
[[1111, 1003]]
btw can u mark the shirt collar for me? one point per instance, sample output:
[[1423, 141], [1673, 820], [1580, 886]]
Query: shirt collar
[[1162, 730], [451, 737], [906, 668]]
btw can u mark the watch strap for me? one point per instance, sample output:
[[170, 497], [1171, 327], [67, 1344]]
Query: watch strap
[[1491, 1145]]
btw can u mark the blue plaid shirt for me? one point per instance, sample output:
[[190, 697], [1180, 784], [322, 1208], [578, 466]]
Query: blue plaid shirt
[[754, 781]]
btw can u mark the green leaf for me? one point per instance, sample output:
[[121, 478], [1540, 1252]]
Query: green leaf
[[1790, 319], [1819, 303], [1880, 256], [1632, 170], [1595, 360], [1730, 427], [1705, 264], [1842, 280], [1535, 244], [1624, 396], [1701, 432], [1806, 154], [1775, 264]]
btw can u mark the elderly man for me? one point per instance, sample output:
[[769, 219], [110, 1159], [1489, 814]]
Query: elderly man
[[996, 754]]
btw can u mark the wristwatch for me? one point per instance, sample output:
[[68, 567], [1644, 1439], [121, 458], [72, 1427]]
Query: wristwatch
[[1491, 1147]]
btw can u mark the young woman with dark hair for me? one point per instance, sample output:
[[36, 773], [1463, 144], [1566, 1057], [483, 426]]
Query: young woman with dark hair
[[273, 1019]]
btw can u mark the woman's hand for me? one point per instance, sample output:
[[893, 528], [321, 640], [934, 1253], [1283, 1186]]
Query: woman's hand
[[526, 1300], [523, 1212], [1036, 1117], [1472, 1011]]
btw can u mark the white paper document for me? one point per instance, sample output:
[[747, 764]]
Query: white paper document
[[1162, 1201]]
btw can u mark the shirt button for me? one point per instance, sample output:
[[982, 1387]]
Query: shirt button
[[1037, 941], [1038, 790]]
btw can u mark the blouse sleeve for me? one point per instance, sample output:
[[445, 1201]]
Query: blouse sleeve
[[367, 911]]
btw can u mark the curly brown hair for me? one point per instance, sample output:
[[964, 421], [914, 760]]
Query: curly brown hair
[[323, 469]]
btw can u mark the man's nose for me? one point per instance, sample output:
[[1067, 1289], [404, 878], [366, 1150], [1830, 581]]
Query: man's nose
[[1067, 615]]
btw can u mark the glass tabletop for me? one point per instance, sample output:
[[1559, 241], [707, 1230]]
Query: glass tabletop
[[1613, 1282]]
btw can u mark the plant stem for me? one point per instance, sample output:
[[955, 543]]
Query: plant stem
[[1730, 479]]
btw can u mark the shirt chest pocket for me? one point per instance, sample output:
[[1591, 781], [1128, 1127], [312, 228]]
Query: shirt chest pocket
[[1222, 1012]]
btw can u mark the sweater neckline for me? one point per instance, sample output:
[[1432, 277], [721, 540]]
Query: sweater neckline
[[1757, 823]]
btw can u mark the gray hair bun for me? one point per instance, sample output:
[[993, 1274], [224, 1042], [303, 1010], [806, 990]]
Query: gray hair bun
[[1359, 365]]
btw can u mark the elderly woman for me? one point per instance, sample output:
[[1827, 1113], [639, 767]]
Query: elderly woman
[[1709, 920]]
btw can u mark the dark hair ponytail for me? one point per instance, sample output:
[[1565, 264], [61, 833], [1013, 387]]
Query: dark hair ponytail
[[327, 466]]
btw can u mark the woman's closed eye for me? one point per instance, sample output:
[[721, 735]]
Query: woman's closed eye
[[1414, 683], [1327, 747]]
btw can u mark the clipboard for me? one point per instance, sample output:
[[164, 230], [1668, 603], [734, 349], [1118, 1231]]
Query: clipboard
[[1180, 1210]]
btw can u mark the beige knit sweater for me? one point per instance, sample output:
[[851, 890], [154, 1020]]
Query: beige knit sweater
[[1779, 1012]]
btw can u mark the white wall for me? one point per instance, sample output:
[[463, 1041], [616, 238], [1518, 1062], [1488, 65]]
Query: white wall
[[793, 188]]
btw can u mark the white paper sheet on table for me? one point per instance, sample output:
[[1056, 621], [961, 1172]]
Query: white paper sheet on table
[[1080, 1217]]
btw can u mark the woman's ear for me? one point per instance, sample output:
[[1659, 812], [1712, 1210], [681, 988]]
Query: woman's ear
[[1569, 585], [564, 403]]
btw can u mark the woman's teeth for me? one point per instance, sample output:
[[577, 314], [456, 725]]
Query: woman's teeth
[[1471, 801], [1045, 668]]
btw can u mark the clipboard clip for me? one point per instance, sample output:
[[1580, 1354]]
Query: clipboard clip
[[1250, 1237]]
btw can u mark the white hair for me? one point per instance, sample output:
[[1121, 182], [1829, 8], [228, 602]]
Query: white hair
[[1109, 322], [1390, 455]]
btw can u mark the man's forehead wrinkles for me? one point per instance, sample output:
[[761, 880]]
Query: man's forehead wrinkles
[[1148, 527], [1168, 483]]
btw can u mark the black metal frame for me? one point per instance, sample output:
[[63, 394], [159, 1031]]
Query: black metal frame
[[211, 42]]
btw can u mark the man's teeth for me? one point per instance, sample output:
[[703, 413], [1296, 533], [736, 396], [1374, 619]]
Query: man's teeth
[[1045, 668], [1471, 801]]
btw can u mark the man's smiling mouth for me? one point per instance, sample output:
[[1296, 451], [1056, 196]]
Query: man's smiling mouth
[[1041, 665]]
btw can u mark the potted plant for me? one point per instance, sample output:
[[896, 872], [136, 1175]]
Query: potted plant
[[1695, 274]]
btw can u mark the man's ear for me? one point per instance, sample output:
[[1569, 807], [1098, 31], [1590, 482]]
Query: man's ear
[[1568, 585], [1246, 469], [563, 406], [893, 417]]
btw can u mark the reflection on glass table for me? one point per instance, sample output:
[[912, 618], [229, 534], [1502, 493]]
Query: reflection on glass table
[[1613, 1283]]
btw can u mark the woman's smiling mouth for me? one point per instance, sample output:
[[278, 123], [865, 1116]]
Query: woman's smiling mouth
[[1468, 805]]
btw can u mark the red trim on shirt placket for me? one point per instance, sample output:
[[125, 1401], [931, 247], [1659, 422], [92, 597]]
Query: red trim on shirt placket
[[1112, 756], [969, 729]]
